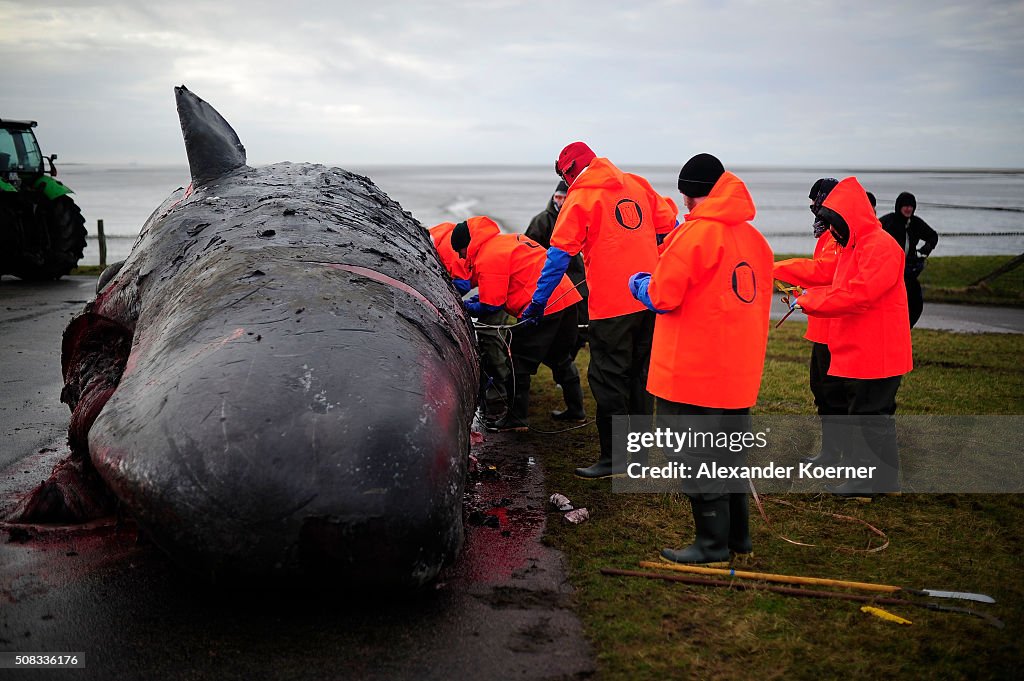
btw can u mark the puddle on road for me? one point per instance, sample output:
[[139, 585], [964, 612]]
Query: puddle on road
[[503, 510]]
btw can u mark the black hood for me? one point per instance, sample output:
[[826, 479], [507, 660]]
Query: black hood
[[906, 199]]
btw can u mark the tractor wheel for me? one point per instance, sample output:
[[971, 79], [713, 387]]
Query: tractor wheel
[[65, 240]]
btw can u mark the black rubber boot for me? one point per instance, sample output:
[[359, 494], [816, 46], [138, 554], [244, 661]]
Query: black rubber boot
[[604, 468], [493, 401], [866, 436], [854, 490], [886, 455], [572, 393], [740, 546], [711, 546], [517, 418], [831, 453]]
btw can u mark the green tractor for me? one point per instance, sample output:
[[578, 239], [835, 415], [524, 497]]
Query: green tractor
[[42, 231]]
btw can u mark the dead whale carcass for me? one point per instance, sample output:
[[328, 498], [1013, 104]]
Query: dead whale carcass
[[280, 379]]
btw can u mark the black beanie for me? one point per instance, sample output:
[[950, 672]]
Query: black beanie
[[562, 187], [699, 175], [821, 189], [460, 236], [829, 182], [905, 199]]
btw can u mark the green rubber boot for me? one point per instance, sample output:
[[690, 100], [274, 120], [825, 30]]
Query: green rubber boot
[[711, 546], [517, 418], [572, 393]]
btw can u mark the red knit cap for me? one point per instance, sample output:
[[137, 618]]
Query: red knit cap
[[573, 159]]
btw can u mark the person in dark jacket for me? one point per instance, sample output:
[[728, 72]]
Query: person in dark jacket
[[540, 230], [910, 230]]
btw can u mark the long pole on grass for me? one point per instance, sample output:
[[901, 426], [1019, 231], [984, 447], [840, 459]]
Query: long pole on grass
[[806, 593], [816, 581]]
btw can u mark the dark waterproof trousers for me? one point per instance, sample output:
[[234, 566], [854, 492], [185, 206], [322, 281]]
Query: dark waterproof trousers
[[735, 530], [495, 364], [551, 342], [584, 326], [915, 297], [873, 402], [829, 391], [620, 355], [830, 397], [681, 417]]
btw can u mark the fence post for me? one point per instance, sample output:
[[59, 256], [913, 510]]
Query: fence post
[[102, 240]]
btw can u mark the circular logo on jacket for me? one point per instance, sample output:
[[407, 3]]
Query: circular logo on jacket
[[744, 284], [628, 213]]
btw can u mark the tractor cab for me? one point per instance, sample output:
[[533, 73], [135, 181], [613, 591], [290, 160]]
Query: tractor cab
[[20, 157]]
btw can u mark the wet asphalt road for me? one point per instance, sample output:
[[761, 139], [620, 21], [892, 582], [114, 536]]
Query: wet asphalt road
[[501, 611]]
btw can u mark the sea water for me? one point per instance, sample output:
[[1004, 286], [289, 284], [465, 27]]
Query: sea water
[[976, 212]]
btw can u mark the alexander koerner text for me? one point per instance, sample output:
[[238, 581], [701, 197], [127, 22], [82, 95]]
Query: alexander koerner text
[[714, 471]]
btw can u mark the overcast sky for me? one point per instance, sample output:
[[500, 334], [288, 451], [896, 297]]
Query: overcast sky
[[836, 84]]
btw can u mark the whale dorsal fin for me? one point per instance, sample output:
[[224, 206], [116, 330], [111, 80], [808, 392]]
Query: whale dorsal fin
[[212, 146]]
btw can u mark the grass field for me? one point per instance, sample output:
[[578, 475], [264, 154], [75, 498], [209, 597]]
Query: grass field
[[645, 629]]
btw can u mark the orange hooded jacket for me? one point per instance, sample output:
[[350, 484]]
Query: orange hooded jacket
[[614, 218], [810, 272], [869, 333], [505, 267], [441, 235], [714, 281]]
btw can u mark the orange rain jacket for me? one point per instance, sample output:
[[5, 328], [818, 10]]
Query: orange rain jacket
[[441, 235], [505, 267], [869, 333], [714, 280], [810, 272], [614, 218]]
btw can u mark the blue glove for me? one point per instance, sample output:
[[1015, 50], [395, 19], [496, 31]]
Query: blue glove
[[533, 312], [554, 268], [478, 309], [635, 283], [638, 284], [463, 286], [662, 237], [790, 297]]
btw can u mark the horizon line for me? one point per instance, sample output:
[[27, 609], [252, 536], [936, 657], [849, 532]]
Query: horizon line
[[739, 166]]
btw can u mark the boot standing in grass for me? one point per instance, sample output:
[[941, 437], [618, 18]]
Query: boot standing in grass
[[712, 291]]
